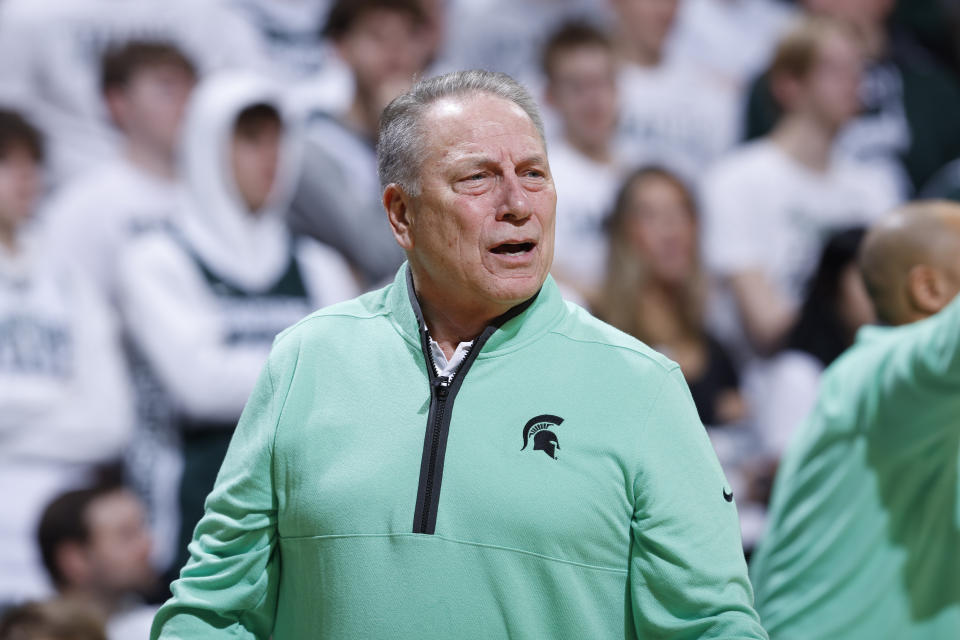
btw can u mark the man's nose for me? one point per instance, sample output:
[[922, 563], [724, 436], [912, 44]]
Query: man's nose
[[515, 205]]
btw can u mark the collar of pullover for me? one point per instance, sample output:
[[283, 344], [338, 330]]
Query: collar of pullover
[[522, 324]]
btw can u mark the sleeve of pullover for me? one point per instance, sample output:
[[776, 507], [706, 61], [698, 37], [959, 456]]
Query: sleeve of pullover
[[688, 578]]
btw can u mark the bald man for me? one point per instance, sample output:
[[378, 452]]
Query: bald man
[[864, 533]]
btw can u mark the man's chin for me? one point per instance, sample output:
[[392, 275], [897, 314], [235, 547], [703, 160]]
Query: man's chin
[[510, 290]]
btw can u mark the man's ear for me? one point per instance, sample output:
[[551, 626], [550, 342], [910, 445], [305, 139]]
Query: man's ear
[[399, 212], [927, 289]]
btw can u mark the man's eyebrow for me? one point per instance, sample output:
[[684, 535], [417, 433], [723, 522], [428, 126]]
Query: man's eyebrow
[[479, 159], [534, 159]]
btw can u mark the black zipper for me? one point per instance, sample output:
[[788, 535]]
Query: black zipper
[[440, 390], [443, 392]]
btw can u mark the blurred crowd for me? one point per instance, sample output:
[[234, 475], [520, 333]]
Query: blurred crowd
[[180, 180]]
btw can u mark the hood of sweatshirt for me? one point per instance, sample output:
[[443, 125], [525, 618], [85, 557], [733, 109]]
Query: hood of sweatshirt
[[249, 249]]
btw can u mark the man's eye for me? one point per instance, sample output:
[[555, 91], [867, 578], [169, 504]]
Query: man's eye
[[475, 176], [534, 173]]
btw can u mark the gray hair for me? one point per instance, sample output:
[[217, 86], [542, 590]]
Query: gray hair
[[400, 148]]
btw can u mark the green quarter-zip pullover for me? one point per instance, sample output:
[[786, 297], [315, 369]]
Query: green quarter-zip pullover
[[559, 485]]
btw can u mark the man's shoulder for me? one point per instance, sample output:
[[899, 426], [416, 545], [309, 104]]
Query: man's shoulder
[[609, 344], [337, 319]]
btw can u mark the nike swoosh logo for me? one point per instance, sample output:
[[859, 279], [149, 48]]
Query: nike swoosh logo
[[728, 495]]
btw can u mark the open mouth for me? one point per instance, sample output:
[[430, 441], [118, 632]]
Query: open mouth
[[513, 248]]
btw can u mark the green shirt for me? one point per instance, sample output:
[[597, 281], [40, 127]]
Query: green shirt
[[580, 496], [864, 532]]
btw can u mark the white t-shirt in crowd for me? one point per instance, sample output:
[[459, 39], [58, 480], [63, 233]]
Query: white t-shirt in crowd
[[90, 219], [52, 51], [761, 209], [677, 117], [585, 193]]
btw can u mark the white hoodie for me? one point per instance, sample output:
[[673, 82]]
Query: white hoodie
[[182, 323], [172, 313]]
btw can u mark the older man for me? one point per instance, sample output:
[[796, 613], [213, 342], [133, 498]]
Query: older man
[[462, 454], [864, 539]]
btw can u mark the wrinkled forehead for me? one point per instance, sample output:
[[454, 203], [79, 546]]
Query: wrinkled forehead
[[459, 122]]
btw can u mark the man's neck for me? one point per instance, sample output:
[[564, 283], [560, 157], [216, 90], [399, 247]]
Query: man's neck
[[150, 161], [449, 328], [805, 140]]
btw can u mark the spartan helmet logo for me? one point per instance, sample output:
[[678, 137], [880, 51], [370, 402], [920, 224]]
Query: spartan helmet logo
[[543, 438]]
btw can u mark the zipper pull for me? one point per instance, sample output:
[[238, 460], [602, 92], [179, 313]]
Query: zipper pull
[[442, 384]]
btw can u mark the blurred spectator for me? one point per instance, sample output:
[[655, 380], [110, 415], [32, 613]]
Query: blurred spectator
[[768, 206], [906, 126], [338, 198], [733, 39], [146, 86], [580, 68], [655, 290], [204, 299], [51, 52], [673, 114], [96, 547], [835, 307], [53, 620], [64, 401]]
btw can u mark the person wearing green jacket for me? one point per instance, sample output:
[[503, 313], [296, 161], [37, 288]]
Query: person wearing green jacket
[[863, 540], [463, 454]]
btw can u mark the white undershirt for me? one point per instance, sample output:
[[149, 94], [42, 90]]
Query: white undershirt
[[446, 367]]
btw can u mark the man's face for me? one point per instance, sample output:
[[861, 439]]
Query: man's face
[[481, 230], [256, 157], [833, 84], [19, 186], [151, 107], [384, 51], [583, 89], [118, 550]]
